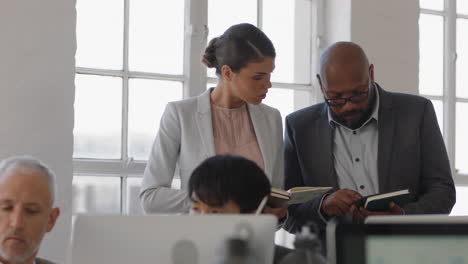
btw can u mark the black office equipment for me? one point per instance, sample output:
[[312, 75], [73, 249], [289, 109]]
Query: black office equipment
[[392, 243]]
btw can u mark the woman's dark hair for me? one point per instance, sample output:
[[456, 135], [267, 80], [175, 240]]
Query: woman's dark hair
[[222, 178], [237, 46]]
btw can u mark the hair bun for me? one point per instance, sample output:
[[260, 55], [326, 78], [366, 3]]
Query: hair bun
[[209, 58]]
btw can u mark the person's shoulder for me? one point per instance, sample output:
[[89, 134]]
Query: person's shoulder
[[184, 102], [410, 101], [269, 110], [404, 97], [310, 113], [43, 261], [190, 104], [271, 114]]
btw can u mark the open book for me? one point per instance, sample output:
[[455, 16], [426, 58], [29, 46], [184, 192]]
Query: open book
[[296, 195], [380, 202]]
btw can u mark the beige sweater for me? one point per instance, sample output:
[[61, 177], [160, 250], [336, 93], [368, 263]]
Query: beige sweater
[[234, 133]]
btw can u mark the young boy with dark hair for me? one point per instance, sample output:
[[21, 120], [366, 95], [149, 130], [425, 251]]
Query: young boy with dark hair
[[229, 185]]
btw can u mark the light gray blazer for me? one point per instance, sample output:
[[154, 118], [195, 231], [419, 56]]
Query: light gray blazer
[[185, 139]]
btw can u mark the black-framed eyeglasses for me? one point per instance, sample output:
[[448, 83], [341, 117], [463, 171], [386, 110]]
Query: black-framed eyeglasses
[[357, 98]]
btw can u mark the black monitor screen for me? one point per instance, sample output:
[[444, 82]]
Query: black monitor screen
[[402, 243]]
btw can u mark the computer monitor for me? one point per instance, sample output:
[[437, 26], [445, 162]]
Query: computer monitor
[[398, 243], [166, 239], [416, 219]]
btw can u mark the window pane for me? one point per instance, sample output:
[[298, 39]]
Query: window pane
[[282, 36], [133, 193], [224, 13], [461, 206], [99, 33], [439, 109], [98, 117], [176, 183], [156, 41], [431, 63], [461, 149], [281, 99], [147, 101], [462, 60], [462, 7], [432, 4], [96, 195]]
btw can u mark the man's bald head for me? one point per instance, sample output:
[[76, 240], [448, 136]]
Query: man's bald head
[[343, 58], [347, 83]]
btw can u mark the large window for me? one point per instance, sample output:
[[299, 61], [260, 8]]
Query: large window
[[129, 65], [443, 42], [134, 56]]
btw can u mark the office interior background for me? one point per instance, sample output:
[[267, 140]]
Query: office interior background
[[84, 82]]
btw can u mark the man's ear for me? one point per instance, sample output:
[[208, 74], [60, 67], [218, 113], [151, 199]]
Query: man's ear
[[226, 72], [54, 214], [319, 79], [371, 72]]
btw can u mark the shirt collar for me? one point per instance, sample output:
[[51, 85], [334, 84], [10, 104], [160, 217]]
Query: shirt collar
[[374, 115]]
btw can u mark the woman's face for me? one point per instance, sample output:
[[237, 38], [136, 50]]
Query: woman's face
[[252, 82]]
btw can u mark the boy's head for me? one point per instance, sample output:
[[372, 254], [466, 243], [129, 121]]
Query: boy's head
[[227, 184]]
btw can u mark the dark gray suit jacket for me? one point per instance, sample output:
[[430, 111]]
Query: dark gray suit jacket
[[43, 261], [411, 154]]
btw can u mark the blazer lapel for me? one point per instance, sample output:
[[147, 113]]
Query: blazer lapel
[[386, 131], [324, 151], [204, 123], [260, 126]]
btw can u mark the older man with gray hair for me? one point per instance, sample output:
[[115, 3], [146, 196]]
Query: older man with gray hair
[[27, 212]]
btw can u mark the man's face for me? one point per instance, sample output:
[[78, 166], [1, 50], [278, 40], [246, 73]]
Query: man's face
[[26, 214], [199, 207], [347, 82]]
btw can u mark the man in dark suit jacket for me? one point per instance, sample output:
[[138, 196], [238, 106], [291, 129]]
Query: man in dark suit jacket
[[364, 140]]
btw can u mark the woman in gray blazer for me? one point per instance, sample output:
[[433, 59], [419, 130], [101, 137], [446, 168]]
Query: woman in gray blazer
[[227, 119]]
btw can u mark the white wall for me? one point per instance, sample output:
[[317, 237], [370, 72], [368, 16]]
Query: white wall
[[388, 32], [37, 50], [337, 20]]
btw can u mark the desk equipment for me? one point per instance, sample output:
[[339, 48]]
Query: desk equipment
[[307, 249], [166, 239], [395, 243], [416, 219]]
